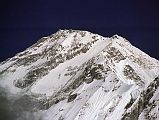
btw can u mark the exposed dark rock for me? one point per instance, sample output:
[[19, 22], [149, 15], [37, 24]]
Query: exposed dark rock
[[115, 54], [130, 73], [143, 102], [72, 97]]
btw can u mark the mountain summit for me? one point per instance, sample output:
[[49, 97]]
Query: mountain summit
[[78, 75]]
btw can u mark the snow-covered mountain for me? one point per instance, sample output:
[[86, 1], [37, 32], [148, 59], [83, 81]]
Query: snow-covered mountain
[[78, 75]]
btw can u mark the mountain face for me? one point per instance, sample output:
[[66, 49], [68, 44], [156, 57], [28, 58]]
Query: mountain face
[[78, 75]]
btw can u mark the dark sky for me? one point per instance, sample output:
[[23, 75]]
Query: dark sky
[[23, 22]]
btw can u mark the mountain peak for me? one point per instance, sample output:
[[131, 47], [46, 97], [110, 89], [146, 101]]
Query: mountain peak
[[72, 73]]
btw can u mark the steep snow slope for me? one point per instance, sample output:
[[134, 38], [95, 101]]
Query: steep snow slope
[[78, 75]]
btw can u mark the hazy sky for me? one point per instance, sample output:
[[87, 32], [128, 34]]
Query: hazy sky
[[23, 22]]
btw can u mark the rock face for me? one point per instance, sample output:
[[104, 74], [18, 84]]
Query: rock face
[[78, 75]]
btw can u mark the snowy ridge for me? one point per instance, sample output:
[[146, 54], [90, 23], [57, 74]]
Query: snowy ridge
[[78, 75]]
